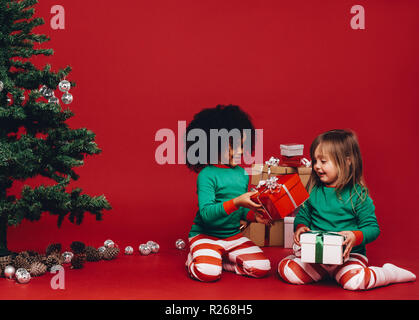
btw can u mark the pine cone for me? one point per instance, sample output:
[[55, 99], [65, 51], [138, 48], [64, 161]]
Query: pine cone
[[51, 261], [31, 260], [77, 247], [53, 248], [110, 253], [57, 255], [43, 258], [24, 254], [37, 269], [4, 262], [78, 261], [21, 262], [92, 254], [34, 255]]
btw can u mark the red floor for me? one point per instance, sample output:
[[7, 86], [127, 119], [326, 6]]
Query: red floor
[[162, 276]]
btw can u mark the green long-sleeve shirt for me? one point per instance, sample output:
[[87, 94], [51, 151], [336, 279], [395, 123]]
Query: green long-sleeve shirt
[[216, 187], [326, 211]]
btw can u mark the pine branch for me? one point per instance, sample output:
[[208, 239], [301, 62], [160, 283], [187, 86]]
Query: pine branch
[[54, 200]]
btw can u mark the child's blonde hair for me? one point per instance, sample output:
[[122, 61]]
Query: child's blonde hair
[[343, 149]]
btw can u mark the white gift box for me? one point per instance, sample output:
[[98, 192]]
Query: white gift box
[[288, 232], [292, 149], [321, 247]]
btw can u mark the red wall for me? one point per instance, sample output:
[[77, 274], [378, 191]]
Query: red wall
[[297, 68]]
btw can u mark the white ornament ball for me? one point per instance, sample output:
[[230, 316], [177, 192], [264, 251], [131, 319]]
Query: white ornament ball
[[64, 85], [9, 272], [1, 86], [129, 250], [180, 244], [109, 244], [67, 98], [144, 249]]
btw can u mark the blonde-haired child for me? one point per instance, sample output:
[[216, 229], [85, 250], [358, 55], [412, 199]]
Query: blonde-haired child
[[339, 202]]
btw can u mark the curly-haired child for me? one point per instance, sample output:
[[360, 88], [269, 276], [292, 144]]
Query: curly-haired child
[[223, 198]]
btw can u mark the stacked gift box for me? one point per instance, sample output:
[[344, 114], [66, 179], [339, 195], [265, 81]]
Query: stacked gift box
[[280, 183]]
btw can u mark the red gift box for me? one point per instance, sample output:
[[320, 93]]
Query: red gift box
[[280, 196], [294, 161]]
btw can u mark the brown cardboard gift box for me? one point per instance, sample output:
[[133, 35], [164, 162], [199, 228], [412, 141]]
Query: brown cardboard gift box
[[264, 236], [261, 172]]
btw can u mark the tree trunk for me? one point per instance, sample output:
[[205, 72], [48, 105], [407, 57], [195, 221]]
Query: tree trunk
[[3, 237]]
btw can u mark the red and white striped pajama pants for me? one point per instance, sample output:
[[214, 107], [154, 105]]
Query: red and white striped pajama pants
[[354, 274], [208, 256]]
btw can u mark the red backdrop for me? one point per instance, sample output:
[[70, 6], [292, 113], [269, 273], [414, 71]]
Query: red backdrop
[[297, 68]]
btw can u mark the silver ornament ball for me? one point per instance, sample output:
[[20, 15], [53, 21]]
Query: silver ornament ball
[[149, 243], [64, 85], [67, 256], [180, 244], [54, 99], [144, 249], [109, 244], [67, 98], [42, 89], [9, 272], [20, 271], [155, 247], [129, 250], [101, 249], [48, 93], [23, 277], [1, 86]]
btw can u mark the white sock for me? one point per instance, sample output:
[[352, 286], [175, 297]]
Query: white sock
[[395, 274]]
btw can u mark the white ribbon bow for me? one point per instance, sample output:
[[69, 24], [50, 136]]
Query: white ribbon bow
[[272, 161], [273, 186], [305, 162]]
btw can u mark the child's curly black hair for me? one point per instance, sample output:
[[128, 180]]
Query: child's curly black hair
[[221, 117]]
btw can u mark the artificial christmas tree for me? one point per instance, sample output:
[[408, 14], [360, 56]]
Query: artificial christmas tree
[[34, 137]]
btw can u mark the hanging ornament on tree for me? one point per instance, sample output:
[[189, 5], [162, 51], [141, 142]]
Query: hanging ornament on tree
[[67, 98], [47, 93], [54, 99], [1, 86], [64, 85], [42, 89], [180, 244]]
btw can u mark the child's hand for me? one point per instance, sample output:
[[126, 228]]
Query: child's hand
[[259, 218], [348, 242], [245, 202], [298, 232]]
